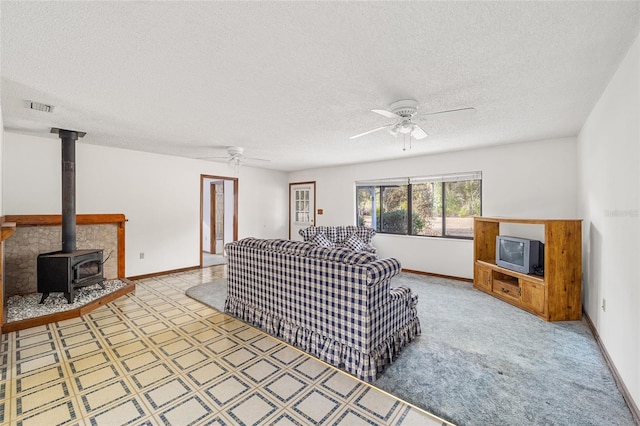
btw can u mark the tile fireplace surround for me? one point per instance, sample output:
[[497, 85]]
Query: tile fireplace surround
[[42, 233]]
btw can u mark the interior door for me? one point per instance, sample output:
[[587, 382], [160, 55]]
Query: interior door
[[218, 236], [217, 217], [218, 214], [212, 219], [302, 207]]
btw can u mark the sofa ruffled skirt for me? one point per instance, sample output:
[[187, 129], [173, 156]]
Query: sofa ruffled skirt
[[365, 366]]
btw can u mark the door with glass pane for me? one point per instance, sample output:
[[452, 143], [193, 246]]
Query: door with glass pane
[[302, 200]]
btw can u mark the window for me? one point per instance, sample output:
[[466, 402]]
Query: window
[[435, 206], [302, 210]]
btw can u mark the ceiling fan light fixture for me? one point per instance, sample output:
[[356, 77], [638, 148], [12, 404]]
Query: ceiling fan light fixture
[[235, 158], [235, 162], [406, 127]]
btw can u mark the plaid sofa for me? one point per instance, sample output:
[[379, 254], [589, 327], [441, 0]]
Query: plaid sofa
[[338, 234], [335, 304]]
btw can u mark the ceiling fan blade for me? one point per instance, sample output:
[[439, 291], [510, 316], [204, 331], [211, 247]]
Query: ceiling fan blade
[[418, 133], [386, 113], [370, 131], [257, 159], [459, 112], [212, 158]]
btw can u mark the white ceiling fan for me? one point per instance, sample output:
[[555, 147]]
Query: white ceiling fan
[[236, 157], [405, 113]]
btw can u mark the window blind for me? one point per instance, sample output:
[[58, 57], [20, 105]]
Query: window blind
[[383, 182], [451, 177]]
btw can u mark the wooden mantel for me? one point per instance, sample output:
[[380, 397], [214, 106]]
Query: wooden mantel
[[8, 228]]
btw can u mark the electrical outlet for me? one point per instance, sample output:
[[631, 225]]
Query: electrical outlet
[[141, 255], [604, 304]]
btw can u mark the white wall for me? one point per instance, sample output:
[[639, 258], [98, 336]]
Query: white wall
[[525, 180], [263, 210], [609, 164], [159, 195], [1, 150], [1, 167]]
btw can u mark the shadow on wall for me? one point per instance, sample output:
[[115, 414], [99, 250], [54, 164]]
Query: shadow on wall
[[592, 283]]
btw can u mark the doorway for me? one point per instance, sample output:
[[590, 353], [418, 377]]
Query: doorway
[[218, 217], [302, 207]]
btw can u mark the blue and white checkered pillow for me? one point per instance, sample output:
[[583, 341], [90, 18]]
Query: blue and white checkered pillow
[[322, 241], [354, 243]]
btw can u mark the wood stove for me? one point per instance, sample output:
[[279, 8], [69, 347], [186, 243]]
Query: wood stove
[[69, 269], [66, 272]]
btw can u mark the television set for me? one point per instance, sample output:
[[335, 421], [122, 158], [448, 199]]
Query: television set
[[520, 254]]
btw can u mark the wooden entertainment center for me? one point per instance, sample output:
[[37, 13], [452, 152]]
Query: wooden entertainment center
[[556, 296]]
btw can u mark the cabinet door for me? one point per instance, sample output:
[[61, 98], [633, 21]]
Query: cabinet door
[[532, 295], [482, 279]]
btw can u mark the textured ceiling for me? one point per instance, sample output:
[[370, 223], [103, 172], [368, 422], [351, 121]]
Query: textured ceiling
[[290, 82]]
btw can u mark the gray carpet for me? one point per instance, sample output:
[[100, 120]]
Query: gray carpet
[[480, 361], [213, 260]]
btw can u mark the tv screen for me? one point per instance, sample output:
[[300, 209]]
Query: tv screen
[[519, 254], [512, 251]]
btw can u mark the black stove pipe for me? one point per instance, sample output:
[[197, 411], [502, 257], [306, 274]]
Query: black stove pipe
[[69, 138]]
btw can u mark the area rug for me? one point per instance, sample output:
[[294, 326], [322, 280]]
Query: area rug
[[213, 260], [480, 361]]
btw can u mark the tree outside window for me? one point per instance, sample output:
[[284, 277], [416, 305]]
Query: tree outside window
[[441, 206]]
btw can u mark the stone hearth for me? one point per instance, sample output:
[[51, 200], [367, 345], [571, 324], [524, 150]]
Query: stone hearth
[[28, 306]]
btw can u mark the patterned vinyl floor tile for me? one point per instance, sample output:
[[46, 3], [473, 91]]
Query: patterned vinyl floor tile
[[157, 357]]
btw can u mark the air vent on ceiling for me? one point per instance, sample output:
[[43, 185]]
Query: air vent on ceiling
[[38, 106]]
